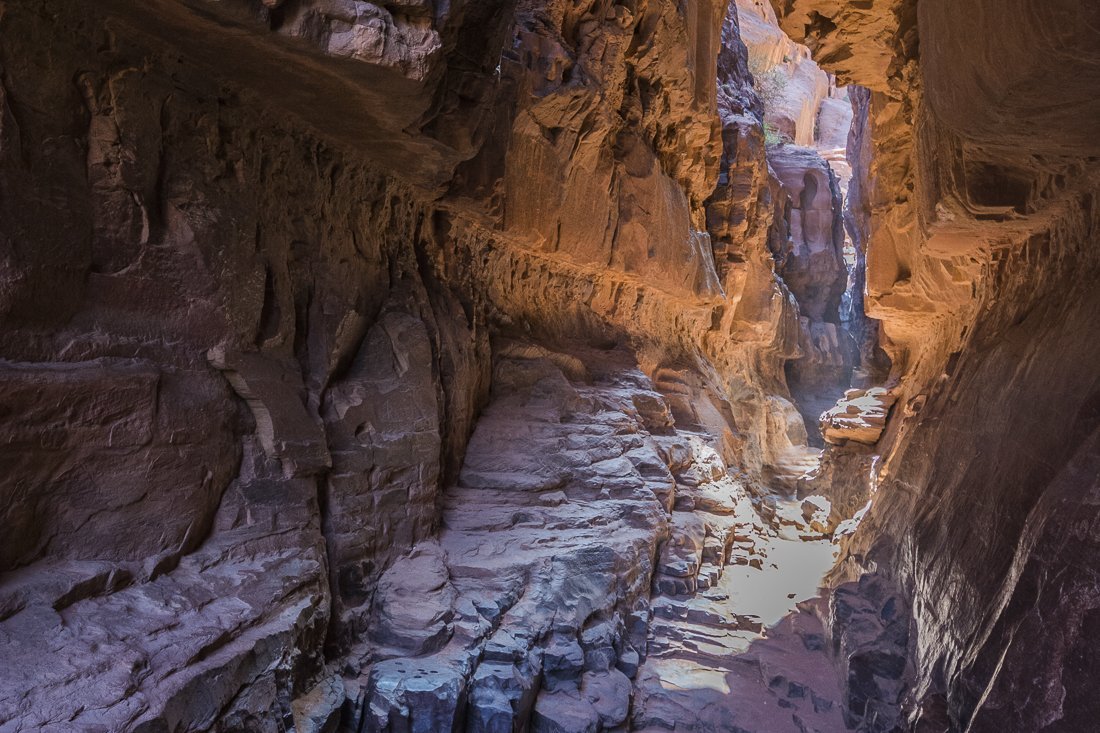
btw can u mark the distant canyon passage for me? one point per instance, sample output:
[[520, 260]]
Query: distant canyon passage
[[550, 366]]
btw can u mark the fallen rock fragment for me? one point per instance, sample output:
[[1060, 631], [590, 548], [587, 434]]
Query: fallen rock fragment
[[860, 416]]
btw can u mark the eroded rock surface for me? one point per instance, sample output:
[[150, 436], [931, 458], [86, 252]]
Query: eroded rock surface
[[438, 366], [288, 440], [968, 240], [588, 555], [813, 266], [860, 416]]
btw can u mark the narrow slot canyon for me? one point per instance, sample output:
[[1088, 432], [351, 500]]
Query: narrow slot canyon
[[551, 366]]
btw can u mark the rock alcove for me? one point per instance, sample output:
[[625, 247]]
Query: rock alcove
[[535, 365]]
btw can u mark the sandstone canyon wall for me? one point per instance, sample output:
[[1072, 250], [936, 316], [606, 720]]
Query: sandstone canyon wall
[[976, 180], [451, 366], [368, 367]]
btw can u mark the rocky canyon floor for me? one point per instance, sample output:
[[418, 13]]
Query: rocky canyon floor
[[549, 366], [546, 554]]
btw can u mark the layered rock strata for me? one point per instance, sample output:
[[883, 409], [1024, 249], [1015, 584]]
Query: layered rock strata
[[977, 186], [806, 119], [414, 367], [813, 267], [268, 267], [585, 553]]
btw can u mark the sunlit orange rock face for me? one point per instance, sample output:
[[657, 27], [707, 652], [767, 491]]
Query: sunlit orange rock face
[[339, 335], [438, 366], [979, 208]]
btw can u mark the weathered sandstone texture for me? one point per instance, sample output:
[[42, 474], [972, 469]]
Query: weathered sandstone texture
[[859, 416], [975, 202], [442, 366], [807, 120], [395, 367], [812, 266], [797, 87]]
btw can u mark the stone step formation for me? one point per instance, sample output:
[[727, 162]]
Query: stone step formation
[[600, 569], [497, 366]]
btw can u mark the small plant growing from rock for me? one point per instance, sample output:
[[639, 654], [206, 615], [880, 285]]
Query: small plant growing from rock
[[769, 82], [768, 79], [773, 136]]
